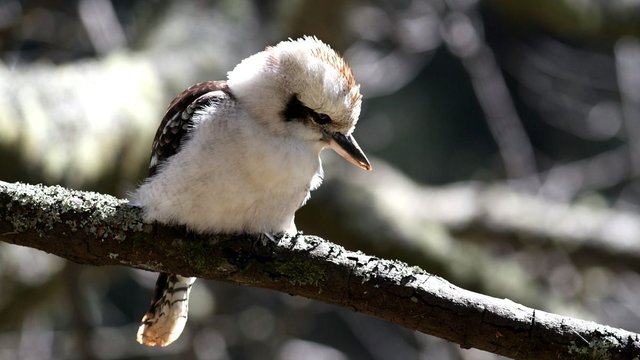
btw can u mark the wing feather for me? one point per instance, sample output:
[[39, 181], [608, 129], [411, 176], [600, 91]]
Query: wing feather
[[178, 120], [167, 315]]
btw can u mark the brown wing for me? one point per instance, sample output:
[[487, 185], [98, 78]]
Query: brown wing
[[178, 119], [175, 125]]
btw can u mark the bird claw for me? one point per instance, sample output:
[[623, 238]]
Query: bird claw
[[265, 238], [294, 239]]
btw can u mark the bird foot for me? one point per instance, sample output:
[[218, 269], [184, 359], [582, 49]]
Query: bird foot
[[265, 238]]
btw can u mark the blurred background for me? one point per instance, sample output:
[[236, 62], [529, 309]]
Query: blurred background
[[504, 135]]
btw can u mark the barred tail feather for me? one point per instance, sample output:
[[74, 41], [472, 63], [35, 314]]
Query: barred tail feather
[[165, 320]]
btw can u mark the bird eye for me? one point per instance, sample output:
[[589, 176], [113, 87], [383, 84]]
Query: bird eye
[[321, 119]]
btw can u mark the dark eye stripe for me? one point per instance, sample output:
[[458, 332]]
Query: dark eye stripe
[[321, 118], [295, 110]]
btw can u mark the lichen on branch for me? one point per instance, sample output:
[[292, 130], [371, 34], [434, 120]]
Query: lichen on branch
[[96, 229]]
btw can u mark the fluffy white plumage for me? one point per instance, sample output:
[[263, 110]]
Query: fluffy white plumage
[[232, 176], [245, 169], [246, 155]]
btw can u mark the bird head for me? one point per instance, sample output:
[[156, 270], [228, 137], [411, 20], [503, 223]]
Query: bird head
[[303, 90]]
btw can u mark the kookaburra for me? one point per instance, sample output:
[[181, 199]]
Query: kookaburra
[[242, 155]]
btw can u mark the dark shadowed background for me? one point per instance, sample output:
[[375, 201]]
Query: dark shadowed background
[[504, 136]]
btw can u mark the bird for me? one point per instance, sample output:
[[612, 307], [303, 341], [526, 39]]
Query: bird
[[241, 156]]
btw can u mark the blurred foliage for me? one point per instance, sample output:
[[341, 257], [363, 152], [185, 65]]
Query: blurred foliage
[[540, 96], [589, 21]]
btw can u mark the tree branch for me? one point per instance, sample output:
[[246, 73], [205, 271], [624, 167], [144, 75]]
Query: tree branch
[[95, 229]]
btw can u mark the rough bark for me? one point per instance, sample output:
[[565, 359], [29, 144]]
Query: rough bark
[[95, 229]]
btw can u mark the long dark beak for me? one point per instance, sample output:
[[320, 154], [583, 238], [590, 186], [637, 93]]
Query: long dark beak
[[348, 148]]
